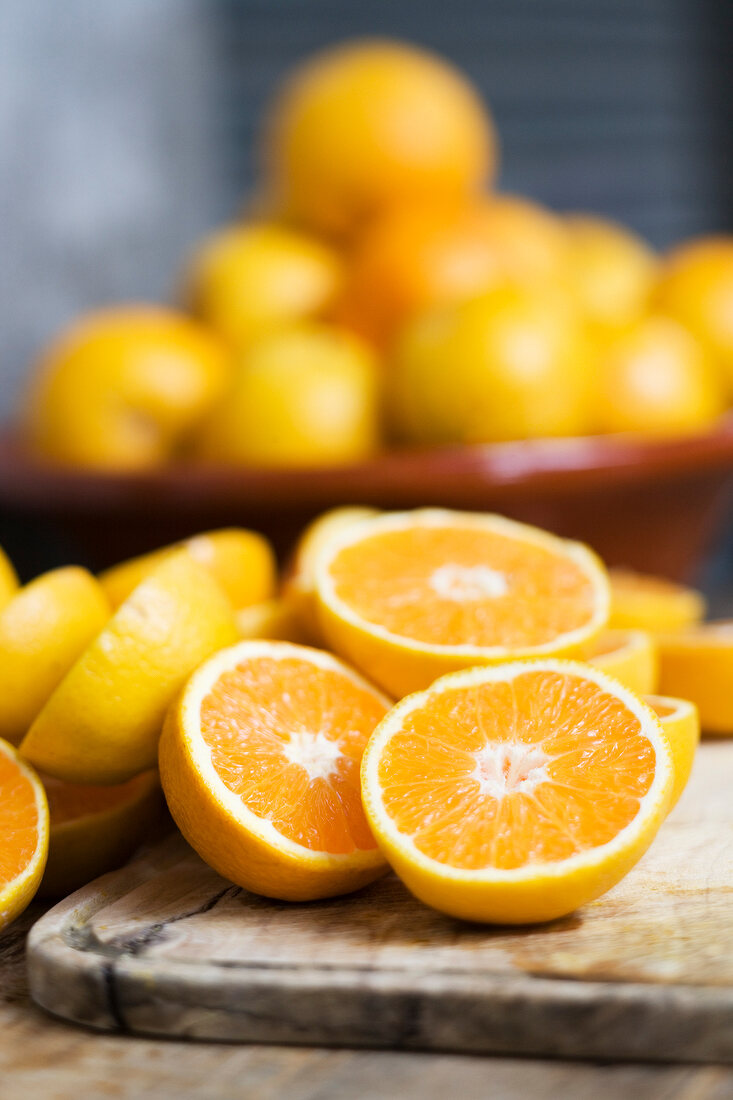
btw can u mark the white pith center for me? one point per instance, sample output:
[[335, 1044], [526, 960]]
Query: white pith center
[[468, 582], [508, 768], [315, 753]]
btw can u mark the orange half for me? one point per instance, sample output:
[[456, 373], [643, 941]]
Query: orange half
[[517, 793], [23, 833], [260, 760], [409, 596]]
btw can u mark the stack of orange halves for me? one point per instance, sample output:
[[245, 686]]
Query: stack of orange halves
[[474, 708]]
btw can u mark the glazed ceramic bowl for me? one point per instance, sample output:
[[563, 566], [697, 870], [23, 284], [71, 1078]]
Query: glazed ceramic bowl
[[647, 504]]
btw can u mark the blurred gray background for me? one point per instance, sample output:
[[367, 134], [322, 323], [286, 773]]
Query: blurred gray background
[[127, 127]]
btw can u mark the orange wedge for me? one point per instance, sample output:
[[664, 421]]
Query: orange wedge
[[23, 833], [95, 829], [629, 655], [517, 793], [102, 723], [259, 761], [681, 723], [642, 602], [697, 664], [406, 597], [241, 561], [44, 627]]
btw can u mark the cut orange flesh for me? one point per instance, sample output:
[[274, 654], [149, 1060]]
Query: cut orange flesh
[[629, 655], [408, 596], [681, 723], [23, 833], [519, 792], [94, 829], [260, 765]]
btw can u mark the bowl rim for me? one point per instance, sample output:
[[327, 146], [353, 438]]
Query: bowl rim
[[526, 467]]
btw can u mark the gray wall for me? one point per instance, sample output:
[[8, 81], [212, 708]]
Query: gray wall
[[108, 167]]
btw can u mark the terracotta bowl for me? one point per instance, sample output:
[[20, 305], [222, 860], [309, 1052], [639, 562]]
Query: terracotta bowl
[[650, 505]]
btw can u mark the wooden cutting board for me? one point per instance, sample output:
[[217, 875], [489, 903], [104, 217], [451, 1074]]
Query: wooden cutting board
[[165, 947]]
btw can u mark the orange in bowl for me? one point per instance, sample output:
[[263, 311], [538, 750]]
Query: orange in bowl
[[696, 288], [122, 388], [657, 379], [424, 255], [369, 123]]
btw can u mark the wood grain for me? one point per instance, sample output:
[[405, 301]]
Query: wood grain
[[166, 947]]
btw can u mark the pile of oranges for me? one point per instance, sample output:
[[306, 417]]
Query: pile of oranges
[[379, 292], [465, 699]]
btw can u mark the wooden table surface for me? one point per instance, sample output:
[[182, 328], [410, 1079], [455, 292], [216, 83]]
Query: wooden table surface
[[45, 1058]]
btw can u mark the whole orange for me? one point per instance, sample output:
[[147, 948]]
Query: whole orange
[[304, 396], [429, 254], [508, 364], [244, 280], [121, 388], [369, 123], [696, 287], [612, 270], [656, 378]]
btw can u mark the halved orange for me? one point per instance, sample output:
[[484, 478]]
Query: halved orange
[[259, 761], [23, 833], [681, 723], [95, 829], [517, 793], [697, 664], [643, 602], [629, 655], [408, 596]]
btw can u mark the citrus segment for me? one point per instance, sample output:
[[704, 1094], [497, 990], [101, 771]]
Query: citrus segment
[[681, 723], [43, 629], [241, 561], [519, 792], [95, 829], [23, 833], [408, 596], [697, 664], [103, 721], [260, 760], [643, 602], [629, 655]]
